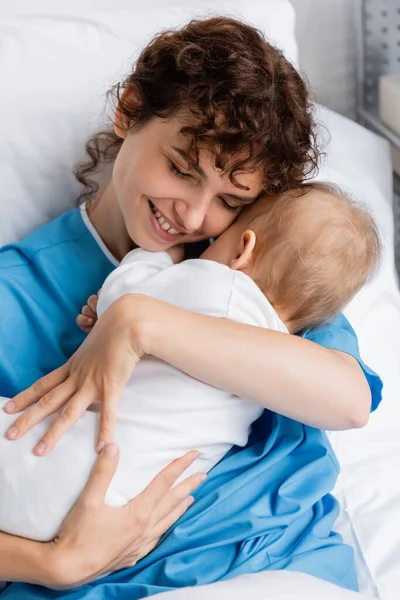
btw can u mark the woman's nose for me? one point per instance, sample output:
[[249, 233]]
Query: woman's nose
[[191, 213]]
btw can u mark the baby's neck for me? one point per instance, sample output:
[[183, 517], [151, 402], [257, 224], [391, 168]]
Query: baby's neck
[[106, 217]]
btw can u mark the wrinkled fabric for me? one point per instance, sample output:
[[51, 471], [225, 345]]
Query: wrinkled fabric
[[266, 506]]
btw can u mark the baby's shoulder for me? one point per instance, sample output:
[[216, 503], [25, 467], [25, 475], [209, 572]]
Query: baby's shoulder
[[198, 285], [248, 304]]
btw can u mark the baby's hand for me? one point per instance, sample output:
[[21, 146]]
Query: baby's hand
[[88, 317]]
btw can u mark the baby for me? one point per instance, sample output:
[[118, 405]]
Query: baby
[[286, 264]]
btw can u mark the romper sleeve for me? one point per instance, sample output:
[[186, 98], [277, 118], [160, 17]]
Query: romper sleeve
[[137, 267]]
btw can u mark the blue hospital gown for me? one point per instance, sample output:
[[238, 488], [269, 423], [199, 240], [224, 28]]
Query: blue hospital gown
[[266, 506]]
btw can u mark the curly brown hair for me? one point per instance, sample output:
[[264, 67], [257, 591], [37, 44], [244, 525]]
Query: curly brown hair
[[249, 104]]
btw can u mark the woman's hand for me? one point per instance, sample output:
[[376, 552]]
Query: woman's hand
[[97, 372], [96, 539]]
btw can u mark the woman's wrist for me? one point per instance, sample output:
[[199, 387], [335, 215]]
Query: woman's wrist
[[62, 568], [143, 316], [28, 561]]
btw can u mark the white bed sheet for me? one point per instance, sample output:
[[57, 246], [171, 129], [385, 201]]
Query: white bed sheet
[[369, 484], [270, 585]]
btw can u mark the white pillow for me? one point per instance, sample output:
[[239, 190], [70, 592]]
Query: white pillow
[[268, 585], [54, 73]]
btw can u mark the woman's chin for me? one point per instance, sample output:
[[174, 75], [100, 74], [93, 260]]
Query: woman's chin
[[149, 244]]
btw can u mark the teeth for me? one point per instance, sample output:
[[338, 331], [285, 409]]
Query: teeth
[[164, 224]]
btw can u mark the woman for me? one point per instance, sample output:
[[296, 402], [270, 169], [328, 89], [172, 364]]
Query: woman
[[232, 123]]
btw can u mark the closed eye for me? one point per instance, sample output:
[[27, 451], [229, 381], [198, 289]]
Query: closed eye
[[174, 169], [232, 208]]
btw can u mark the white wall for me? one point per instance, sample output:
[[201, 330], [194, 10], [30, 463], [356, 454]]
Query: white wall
[[328, 50]]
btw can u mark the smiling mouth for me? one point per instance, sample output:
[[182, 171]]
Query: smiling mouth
[[162, 221]]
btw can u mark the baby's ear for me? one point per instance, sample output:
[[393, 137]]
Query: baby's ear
[[245, 256]]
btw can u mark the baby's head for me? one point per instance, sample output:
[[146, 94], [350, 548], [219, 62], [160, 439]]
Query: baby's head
[[308, 250]]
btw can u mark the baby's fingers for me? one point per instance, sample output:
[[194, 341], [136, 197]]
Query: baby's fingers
[[92, 302], [89, 312], [85, 323]]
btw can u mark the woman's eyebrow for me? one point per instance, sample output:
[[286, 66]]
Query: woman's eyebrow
[[184, 155]]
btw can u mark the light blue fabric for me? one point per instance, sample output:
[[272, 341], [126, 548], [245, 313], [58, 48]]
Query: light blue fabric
[[266, 506]]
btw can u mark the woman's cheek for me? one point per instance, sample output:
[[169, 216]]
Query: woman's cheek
[[219, 222]]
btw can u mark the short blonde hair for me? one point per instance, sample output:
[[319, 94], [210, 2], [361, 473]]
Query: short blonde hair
[[315, 249]]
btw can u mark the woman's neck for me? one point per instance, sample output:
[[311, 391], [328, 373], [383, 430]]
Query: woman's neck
[[107, 219]]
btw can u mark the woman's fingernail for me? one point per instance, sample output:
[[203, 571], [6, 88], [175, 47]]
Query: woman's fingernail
[[10, 406], [100, 446], [111, 450], [203, 477], [12, 432], [190, 501], [195, 454], [40, 448]]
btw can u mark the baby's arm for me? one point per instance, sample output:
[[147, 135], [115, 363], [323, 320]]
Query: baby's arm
[[145, 265], [137, 267]]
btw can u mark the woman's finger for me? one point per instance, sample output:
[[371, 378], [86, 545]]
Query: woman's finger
[[163, 482], [39, 389], [162, 526], [146, 550], [178, 495], [108, 418], [101, 476], [72, 411], [47, 405]]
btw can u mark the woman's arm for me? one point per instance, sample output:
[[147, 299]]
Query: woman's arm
[[285, 373], [96, 538], [25, 560]]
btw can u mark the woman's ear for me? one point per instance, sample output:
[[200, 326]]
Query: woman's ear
[[121, 121], [246, 252]]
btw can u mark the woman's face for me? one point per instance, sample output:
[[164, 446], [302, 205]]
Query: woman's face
[[163, 200]]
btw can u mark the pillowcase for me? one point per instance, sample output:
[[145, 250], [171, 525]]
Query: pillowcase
[[54, 72]]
